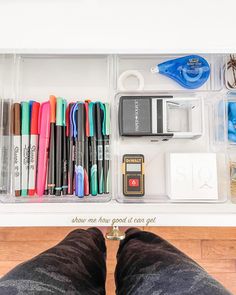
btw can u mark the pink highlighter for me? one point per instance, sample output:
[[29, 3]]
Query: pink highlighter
[[44, 135]]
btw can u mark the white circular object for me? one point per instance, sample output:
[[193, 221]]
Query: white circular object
[[128, 74]]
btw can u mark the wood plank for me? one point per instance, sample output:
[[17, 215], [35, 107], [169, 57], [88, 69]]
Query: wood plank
[[192, 248], [15, 251], [218, 249], [34, 233], [228, 280], [216, 265], [110, 284], [112, 248], [202, 233]]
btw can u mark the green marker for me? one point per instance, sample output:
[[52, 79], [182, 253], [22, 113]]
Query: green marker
[[106, 134], [99, 118], [60, 111], [25, 146]]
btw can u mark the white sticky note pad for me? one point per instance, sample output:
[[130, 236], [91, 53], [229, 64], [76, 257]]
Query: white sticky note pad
[[191, 176]]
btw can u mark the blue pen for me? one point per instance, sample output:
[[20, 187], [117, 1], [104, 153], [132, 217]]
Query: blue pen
[[79, 136]]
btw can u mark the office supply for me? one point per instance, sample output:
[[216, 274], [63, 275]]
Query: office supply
[[5, 142], [191, 176], [33, 154], [190, 71], [127, 74], [44, 135], [16, 115], [25, 144], [233, 179], [79, 137], [52, 147], [70, 148], [133, 175], [231, 70], [59, 126], [232, 121], [86, 150], [106, 134], [64, 152], [99, 119], [162, 117], [93, 151]]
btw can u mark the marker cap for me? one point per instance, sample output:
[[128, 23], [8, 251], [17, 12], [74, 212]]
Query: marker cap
[[61, 110], [25, 118], [34, 118], [92, 127], [53, 102], [16, 112], [106, 119]]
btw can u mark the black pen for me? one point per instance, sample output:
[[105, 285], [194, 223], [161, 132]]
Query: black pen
[[64, 153], [59, 127], [51, 160], [99, 118], [93, 150], [106, 134], [70, 148]]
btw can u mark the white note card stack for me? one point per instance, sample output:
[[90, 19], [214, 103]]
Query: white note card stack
[[191, 176]]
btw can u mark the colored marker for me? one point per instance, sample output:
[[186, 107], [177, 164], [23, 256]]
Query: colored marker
[[25, 143], [70, 148], [99, 118], [93, 153], [16, 115], [44, 135], [52, 153], [79, 134], [106, 134], [64, 154], [33, 147], [86, 150], [60, 109]]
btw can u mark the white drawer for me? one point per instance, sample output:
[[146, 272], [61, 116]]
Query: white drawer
[[77, 77]]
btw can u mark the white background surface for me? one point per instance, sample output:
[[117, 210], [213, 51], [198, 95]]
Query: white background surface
[[118, 25]]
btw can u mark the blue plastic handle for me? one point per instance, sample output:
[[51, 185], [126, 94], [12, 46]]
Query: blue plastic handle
[[190, 71]]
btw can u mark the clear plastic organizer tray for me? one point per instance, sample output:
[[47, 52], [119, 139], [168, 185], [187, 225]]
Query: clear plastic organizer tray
[[193, 123]]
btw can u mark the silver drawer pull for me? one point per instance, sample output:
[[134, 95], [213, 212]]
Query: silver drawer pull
[[115, 234]]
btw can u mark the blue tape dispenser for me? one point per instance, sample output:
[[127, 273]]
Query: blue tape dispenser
[[190, 71]]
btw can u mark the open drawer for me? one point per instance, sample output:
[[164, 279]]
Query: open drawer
[[186, 176]]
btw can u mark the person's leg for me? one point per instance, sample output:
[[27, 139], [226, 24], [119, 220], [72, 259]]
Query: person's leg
[[77, 265], [147, 264]]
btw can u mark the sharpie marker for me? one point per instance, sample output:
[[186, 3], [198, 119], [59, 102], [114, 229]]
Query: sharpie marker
[[99, 118], [79, 132], [86, 150], [16, 114], [70, 148], [59, 124], [106, 133], [33, 148], [25, 143], [93, 151], [44, 135], [51, 161], [64, 153]]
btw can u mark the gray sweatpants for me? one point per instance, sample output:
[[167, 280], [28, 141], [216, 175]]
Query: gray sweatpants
[[146, 264]]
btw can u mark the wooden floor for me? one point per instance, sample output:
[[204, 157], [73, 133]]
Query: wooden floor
[[213, 248]]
